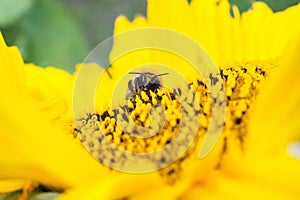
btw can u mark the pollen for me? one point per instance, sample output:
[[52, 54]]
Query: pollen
[[161, 111], [144, 96]]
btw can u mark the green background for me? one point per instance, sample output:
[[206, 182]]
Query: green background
[[61, 32]]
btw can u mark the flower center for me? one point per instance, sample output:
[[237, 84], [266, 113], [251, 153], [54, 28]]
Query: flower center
[[242, 84]]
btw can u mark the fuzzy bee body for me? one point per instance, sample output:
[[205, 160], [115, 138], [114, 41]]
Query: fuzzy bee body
[[143, 81]]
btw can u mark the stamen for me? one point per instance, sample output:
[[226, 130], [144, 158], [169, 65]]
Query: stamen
[[242, 85]]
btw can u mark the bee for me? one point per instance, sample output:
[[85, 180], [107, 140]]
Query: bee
[[143, 81]]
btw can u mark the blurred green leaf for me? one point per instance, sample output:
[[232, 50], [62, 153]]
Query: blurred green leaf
[[44, 196], [278, 5], [275, 5], [98, 16], [49, 35], [243, 5], [12, 10], [11, 195], [33, 196]]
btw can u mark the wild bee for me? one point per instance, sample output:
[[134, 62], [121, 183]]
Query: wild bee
[[143, 81]]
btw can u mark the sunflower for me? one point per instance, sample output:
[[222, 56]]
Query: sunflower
[[257, 56]]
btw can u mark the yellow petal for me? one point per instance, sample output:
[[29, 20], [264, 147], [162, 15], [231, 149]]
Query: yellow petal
[[281, 173], [11, 185], [112, 187], [257, 34], [11, 68], [275, 121], [252, 22], [245, 188], [54, 108], [46, 83], [35, 149], [204, 13], [175, 15]]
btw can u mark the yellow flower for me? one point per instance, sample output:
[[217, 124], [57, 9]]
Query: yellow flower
[[250, 159]]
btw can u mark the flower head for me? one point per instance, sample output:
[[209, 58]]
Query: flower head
[[256, 53]]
